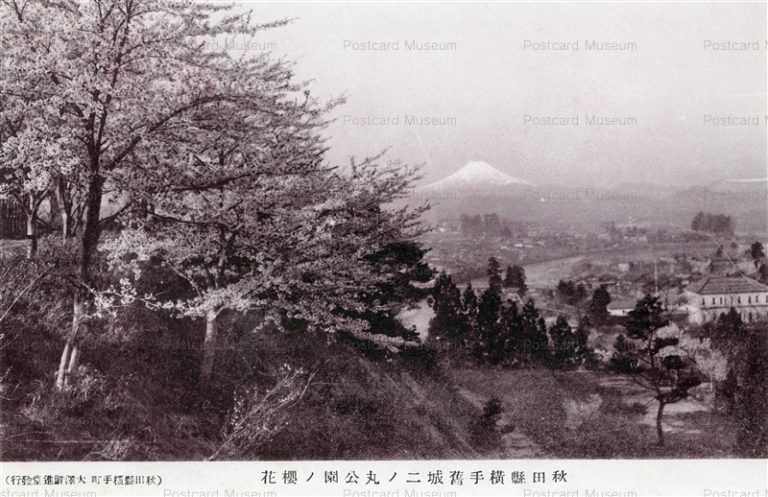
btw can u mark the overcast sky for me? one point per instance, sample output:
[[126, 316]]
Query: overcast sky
[[519, 86]]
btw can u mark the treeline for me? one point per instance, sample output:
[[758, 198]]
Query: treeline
[[491, 224], [576, 295], [712, 223], [497, 328]]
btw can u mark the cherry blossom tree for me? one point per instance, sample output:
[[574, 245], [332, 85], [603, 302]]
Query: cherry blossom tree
[[129, 86], [289, 240]]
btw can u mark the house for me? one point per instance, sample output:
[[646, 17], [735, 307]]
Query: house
[[623, 267], [717, 294], [621, 308]]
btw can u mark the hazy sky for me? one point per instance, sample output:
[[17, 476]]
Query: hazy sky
[[517, 85]]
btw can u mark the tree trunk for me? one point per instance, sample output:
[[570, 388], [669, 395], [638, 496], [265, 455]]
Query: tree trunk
[[66, 229], [209, 348], [61, 372], [70, 354], [31, 236], [73, 358], [83, 297], [53, 206], [65, 209], [92, 228], [659, 428]]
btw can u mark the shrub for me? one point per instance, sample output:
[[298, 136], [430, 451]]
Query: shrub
[[485, 430]]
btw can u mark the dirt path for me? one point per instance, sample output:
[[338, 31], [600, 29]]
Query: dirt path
[[516, 444]]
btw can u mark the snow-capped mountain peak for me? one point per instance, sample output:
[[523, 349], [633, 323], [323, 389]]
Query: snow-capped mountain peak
[[473, 176]]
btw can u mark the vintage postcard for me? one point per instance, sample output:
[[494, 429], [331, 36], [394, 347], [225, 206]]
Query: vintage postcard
[[383, 249]]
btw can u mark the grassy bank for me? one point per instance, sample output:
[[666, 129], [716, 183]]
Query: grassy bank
[[590, 414]]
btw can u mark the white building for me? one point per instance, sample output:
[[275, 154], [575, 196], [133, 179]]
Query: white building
[[621, 307], [717, 294]]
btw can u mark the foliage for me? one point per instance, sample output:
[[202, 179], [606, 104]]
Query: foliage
[[469, 305], [534, 334], [623, 359], [713, 223], [256, 418], [148, 112], [762, 273], [739, 353], [400, 263], [485, 429], [757, 252], [569, 347], [752, 410], [731, 325], [515, 278], [494, 274], [492, 330], [447, 307], [570, 293], [664, 367], [598, 306], [489, 324], [321, 252]]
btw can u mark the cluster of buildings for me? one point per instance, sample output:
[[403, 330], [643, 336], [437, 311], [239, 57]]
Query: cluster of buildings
[[711, 289]]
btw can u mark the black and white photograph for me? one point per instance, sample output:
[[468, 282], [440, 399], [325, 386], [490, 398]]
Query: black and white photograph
[[383, 231]]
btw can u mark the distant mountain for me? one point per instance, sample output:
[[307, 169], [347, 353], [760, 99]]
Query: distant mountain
[[644, 189], [739, 185], [474, 177], [479, 188]]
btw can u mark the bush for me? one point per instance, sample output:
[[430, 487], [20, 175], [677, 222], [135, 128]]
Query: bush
[[485, 430]]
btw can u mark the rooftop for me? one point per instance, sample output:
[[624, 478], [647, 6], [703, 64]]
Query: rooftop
[[623, 302], [730, 284]]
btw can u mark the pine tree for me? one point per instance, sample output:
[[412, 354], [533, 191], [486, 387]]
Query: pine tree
[[509, 278], [398, 264], [730, 324], [469, 305], [570, 293], [698, 221], [757, 252], [563, 342], [494, 274], [489, 327], [623, 359], [515, 278], [534, 341], [583, 353], [762, 273], [664, 370], [598, 307], [540, 342], [446, 304], [511, 330]]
